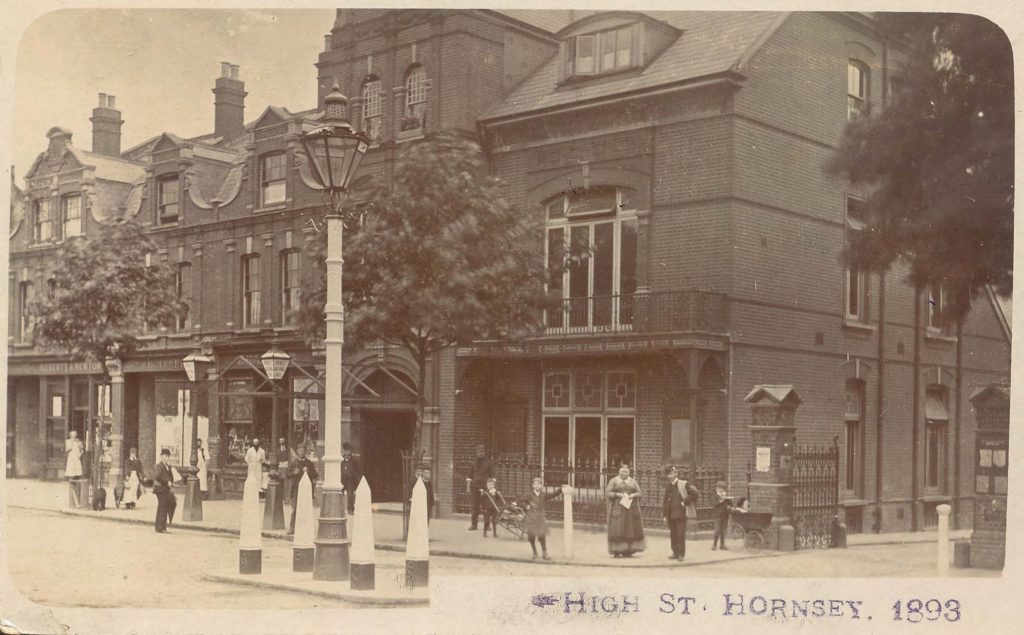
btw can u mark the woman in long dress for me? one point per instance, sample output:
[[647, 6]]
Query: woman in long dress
[[74, 449], [249, 536], [204, 485], [625, 526], [135, 474]]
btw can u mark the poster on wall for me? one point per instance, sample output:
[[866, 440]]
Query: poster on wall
[[57, 406], [763, 459], [174, 430]]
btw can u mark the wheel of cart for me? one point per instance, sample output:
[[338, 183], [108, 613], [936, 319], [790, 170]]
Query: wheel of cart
[[747, 529]]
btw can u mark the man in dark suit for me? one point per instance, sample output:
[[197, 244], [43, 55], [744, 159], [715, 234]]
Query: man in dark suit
[[166, 501], [678, 495], [349, 474], [301, 463], [478, 475], [423, 471]]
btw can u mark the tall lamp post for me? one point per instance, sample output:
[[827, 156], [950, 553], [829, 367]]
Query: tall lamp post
[[334, 151], [196, 364]]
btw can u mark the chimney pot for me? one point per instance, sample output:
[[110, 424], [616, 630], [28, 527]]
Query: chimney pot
[[225, 69], [234, 71], [110, 101], [103, 100]]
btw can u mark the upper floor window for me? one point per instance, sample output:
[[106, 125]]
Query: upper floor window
[[415, 98], [168, 200], [291, 285], [183, 290], [24, 311], [372, 108], [71, 216], [601, 52], [272, 178], [592, 259], [42, 225], [856, 89], [856, 277], [251, 290], [937, 305]]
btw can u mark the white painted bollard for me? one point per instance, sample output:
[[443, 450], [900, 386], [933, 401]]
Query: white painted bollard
[[250, 548], [943, 553], [567, 530], [362, 570], [305, 527], [417, 545]]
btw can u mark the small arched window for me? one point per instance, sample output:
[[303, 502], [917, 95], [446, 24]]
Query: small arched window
[[415, 98], [372, 106]]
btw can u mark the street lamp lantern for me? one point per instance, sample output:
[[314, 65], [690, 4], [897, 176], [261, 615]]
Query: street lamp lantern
[[195, 364], [334, 151], [275, 362]]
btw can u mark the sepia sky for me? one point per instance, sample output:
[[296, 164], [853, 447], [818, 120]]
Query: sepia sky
[[161, 66]]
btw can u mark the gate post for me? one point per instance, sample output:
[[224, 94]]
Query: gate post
[[773, 439], [992, 413]]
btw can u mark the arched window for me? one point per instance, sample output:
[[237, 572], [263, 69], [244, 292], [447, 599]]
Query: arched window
[[857, 82], [415, 98], [372, 107]]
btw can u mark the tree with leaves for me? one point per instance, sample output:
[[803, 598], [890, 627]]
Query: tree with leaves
[[102, 293], [435, 257], [939, 157]]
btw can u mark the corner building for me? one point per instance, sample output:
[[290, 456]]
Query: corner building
[[680, 153]]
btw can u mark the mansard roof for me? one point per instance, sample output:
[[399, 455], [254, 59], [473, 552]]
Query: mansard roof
[[711, 43]]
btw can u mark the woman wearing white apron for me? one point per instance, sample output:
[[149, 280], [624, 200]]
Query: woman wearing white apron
[[203, 476], [132, 489], [252, 522], [74, 450]]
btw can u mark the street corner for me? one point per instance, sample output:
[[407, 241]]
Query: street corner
[[391, 591]]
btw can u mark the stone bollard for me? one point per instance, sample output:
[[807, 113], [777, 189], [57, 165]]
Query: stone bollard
[[363, 576], [567, 530], [250, 548], [787, 538], [943, 545], [305, 527], [417, 546]]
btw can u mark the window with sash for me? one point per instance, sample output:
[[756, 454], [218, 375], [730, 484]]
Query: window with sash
[[251, 290], [601, 52], [42, 217], [857, 75], [71, 216], [856, 276], [372, 107], [291, 285], [168, 200]]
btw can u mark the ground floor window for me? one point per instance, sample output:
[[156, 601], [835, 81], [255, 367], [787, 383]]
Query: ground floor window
[[935, 440], [582, 449], [854, 441]]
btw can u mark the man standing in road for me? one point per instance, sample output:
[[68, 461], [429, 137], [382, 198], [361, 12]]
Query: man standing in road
[[166, 501], [680, 498], [349, 474], [478, 475]]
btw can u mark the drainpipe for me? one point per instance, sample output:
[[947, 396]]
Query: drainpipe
[[879, 408], [914, 491], [956, 422]]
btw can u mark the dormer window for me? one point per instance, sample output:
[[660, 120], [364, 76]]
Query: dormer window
[[168, 197], [601, 52], [71, 216], [42, 225], [272, 178]]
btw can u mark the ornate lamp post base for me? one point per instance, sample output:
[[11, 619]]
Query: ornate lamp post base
[[273, 511], [302, 559], [331, 561], [193, 509]]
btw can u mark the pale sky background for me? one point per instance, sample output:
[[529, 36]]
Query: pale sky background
[[161, 65]]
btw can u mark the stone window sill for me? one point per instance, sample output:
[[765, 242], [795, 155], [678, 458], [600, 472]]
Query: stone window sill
[[853, 502], [935, 335], [862, 327]]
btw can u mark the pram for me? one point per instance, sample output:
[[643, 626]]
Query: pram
[[510, 517]]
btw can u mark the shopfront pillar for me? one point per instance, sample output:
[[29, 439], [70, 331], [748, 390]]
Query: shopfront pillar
[[773, 440], [992, 412]]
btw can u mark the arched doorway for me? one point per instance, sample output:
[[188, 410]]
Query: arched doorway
[[387, 424]]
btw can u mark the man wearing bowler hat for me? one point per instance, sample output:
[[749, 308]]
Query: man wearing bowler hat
[[166, 501]]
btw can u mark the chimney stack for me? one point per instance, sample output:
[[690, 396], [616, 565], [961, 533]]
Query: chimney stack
[[106, 127], [229, 103]]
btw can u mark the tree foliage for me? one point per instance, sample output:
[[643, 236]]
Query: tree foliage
[[940, 159], [102, 293], [435, 257]]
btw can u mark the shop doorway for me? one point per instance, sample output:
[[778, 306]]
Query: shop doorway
[[384, 435]]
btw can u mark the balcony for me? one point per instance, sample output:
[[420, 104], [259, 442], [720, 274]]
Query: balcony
[[663, 312]]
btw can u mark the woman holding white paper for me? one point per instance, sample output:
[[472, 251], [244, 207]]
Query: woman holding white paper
[[625, 526]]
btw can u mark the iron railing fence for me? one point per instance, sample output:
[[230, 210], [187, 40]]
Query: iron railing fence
[[666, 311], [590, 504], [815, 479]]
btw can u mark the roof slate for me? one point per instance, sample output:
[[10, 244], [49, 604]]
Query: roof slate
[[712, 42]]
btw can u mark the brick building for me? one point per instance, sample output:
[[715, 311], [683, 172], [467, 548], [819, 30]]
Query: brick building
[[681, 152]]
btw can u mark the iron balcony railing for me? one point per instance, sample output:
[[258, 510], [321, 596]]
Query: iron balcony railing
[[666, 311]]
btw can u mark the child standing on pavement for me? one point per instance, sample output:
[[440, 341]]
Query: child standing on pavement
[[721, 515], [536, 521], [492, 495]]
